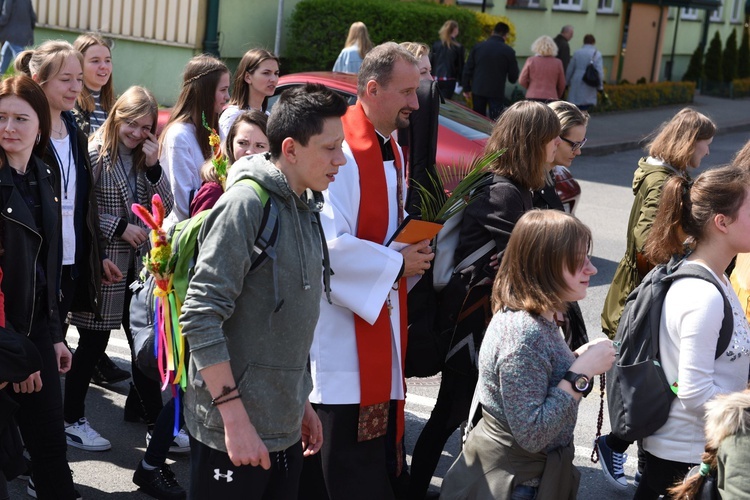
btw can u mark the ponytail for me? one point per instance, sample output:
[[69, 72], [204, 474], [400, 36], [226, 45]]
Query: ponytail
[[667, 236], [21, 64], [690, 487]]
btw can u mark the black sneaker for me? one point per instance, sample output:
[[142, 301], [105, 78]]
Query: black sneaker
[[612, 463], [106, 372], [31, 490], [159, 483]]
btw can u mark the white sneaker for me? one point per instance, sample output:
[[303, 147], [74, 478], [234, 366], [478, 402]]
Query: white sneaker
[[180, 443], [82, 435]]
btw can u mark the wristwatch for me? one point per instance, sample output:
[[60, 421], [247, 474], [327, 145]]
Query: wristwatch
[[581, 383]]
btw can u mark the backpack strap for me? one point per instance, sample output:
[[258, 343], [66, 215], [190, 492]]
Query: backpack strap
[[727, 324], [268, 233]]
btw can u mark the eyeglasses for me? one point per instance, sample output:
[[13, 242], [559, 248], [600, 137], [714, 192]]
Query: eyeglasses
[[575, 146]]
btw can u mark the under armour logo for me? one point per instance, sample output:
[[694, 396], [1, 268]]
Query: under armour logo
[[218, 475]]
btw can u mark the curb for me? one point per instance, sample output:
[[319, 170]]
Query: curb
[[616, 147]]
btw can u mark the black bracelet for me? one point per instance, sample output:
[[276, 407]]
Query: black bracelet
[[214, 402], [226, 391]]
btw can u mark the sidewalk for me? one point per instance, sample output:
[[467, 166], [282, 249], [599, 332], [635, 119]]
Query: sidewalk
[[612, 132]]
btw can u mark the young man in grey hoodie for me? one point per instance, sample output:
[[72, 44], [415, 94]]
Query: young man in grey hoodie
[[250, 332]]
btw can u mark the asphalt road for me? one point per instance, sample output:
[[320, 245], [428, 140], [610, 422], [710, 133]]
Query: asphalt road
[[604, 206]]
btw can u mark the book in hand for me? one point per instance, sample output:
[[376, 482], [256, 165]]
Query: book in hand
[[413, 231]]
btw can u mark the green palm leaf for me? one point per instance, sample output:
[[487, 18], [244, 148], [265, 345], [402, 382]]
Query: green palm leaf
[[437, 206]]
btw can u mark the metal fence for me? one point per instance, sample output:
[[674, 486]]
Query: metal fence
[[170, 22]]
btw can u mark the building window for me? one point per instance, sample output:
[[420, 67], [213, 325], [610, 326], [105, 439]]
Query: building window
[[568, 4], [737, 11], [523, 3], [689, 13], [606, 6], [718, 13]]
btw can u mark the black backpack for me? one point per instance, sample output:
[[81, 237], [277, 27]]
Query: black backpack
[[639, 396]]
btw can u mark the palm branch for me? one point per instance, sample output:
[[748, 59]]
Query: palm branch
[[437, 206]]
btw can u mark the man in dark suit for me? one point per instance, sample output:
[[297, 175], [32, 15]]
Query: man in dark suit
[[563, 49], [489, 64]]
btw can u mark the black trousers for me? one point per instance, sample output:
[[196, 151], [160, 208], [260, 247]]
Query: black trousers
[[658, 475], [345, 468], [447, 88], [213, 475], [40, 418], [451, 408], [92, 344]]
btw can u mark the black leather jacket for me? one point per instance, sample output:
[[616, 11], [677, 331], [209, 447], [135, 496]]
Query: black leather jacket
[[90, 245], [23, 246]]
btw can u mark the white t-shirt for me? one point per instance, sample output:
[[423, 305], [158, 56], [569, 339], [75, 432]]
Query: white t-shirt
[[68, 179], [691, 320]]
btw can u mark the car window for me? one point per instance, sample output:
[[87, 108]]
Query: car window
[[464, 122], [350, 99]]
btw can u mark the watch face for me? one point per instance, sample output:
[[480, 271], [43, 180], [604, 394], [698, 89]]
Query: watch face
[[581, 383]]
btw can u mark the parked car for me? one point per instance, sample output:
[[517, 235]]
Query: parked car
[[462, 133]]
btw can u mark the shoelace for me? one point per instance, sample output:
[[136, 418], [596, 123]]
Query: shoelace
[[88, 430], [169, 478], [618, 459]]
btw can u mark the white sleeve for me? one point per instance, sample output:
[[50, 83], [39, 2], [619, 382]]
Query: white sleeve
[[693, 313], [178, 162], [227, 118], [363, 272]]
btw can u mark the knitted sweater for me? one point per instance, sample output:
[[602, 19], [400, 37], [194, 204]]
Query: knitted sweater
[[522, 359]]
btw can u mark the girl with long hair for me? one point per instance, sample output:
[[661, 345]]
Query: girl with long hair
[[710, 218], [184, 143], [124, 158], [98, 93], [679, 145], [447, 58], [529, 132], [30, 226], [254, 82], [530, 382], [246, 136], [357, 44]]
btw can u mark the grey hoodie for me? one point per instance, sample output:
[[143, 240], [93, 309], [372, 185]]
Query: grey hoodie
[[231, 310]]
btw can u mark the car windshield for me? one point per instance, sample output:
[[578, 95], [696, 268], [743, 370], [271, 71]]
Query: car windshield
[[452, 116]]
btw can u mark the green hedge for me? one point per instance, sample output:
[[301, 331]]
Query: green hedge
[[629, 96], [318, 28], [740, 87]]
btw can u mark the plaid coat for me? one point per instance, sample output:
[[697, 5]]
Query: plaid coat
[[115, 198]]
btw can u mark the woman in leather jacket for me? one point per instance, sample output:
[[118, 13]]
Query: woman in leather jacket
[[30, 224]]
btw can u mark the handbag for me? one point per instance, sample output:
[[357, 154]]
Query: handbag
[[591, 75], [709, 489]]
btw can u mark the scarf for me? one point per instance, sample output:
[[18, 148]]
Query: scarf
[[374, 341]]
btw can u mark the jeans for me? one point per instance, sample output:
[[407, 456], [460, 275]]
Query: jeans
[[7, 54], [523, 492], [91, 346], [162, 435]]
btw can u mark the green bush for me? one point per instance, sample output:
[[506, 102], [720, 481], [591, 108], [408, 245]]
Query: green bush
[[695, 67], [628, 96], [740, 87], [729, 58], [712, 67], [743, 57], [318, 28]]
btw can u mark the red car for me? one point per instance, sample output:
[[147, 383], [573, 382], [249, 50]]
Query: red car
[[462, 133]]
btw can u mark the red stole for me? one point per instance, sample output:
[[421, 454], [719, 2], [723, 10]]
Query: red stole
[[374, 341]]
